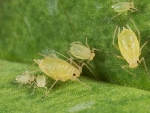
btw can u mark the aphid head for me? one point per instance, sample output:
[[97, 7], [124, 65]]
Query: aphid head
[[131, 4], [75, 74], [133, 64], [92, 56]]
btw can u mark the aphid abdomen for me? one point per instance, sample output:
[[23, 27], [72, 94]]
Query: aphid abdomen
[[57, 68], [80, 51], [121, 6], [129, 45]]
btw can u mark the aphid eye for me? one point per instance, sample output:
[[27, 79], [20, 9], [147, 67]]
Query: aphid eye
[[74, 74], [137, 61]]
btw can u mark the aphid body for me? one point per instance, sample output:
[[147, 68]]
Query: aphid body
[[122, 7], [129, 47], [40, 81], [58, 69], [82, 52], [25, 78]]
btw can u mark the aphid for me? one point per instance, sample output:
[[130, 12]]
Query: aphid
[[123, 7], [40, 82], [82, 52], [59, 69], [129, 46], [25, 78]]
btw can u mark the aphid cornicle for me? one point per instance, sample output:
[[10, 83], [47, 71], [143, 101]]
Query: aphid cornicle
[[123, 7], [129, 46], [25, 78], [40, 82], [59, 69]]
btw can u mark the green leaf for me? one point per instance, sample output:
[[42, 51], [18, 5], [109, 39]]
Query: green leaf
[[27, 27], [69, 96]]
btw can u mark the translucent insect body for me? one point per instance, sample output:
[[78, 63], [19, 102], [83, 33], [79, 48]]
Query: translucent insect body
[[129, 46], [123, 7], [25, 78]]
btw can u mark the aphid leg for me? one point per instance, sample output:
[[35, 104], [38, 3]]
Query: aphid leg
[[124, 68], [143, 46], [116, 16], [87, 45], [142, 59], [113, 42], [32, 72], [139, 37], [50, 88], [20, 85], [71, 58], [33, 90], [84, 64], [120, 57], [83, 84]]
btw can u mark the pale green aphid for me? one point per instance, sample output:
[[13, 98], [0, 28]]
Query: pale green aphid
[[123, 7], [40, 81], [25, 78], [129, 46], [59, 69], [82, 52]]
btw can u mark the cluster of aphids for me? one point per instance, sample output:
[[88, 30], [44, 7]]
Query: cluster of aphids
[[59, 69]]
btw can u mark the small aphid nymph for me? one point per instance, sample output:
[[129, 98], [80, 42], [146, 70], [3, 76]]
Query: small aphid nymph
[[25, 78], [123, 7], [129, 46], [40, 82]]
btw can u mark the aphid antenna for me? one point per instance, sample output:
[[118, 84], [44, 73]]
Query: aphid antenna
[[64, 57], [41, 54], [31, 72], [71, 57], [143, 45], [77, 42], [113, 42], [139, 37], [116, 16], [135, 9], [83, 84], [142, 59]]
